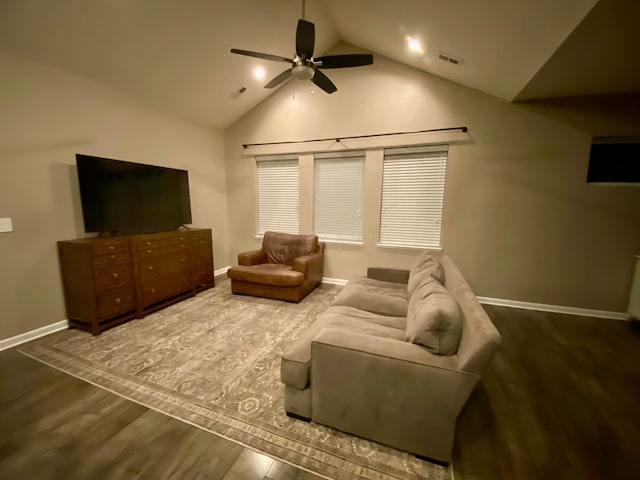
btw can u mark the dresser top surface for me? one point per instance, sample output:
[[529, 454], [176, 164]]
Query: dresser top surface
[[137, 237]]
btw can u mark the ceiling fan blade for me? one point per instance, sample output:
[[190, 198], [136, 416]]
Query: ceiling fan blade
[[321, 80], [345, 61], [265, 56], [284, 76], [305, 39]]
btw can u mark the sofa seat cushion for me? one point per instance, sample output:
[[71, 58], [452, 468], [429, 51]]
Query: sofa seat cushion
[[267, 274], [376, 296], [434, 319], [294, 368]]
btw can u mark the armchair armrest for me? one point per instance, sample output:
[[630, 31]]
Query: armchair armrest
[[387, 390], [254, 257], [388, 274], [311, 265]]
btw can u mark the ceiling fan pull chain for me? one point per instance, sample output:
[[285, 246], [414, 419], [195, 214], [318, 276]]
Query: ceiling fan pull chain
[[303, 5]]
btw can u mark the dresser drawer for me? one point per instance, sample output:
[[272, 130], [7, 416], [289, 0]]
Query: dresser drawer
[[161, 241], [155, 290], [163, 250], [152, 267], [108, 247], [112, 258], [201, 235], [110, 276], [201, 255], [117, 300], [201, 243]]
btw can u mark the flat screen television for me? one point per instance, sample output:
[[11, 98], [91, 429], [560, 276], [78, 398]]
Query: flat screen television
[[124, 198], [614, 161]]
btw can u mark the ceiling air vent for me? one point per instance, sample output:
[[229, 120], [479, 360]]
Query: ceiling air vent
[[449, 59]]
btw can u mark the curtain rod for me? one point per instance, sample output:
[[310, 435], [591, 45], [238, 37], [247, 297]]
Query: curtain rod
[[337, 139]]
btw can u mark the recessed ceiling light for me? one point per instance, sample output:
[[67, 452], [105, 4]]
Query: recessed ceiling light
[[414, 45], [259, 73]]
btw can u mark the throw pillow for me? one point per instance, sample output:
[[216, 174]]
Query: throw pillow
[[425, 267], [434, 319]]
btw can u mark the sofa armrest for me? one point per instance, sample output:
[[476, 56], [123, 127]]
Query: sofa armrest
[[254, 257], [390, 391], [311, 265], [388, 274]]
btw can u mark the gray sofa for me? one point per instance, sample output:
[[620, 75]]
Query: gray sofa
[[395, 358]]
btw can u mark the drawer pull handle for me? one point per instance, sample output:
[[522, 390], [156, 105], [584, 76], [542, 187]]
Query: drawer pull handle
[[112, 257], [150, 268], [112, 248], [148, 244], [148, 251], [114, 275], [117, 301], [183, 260], [181, 239], [152, 290]]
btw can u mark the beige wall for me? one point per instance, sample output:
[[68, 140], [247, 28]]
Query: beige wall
[[519, 219], [46, 116]]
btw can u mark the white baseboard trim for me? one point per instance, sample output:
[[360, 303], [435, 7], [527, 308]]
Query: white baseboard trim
[[32, 335], [334, 281], [221, 271], [542, 307]]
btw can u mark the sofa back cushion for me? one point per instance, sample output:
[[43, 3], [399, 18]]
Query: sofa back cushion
[[434, 319], [284, 247], [480, 338], [425, 267]]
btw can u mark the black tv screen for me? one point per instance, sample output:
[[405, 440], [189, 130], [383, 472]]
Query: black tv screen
[[126, 198], [614, 161]]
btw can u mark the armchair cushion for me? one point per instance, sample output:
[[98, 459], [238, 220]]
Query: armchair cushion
[[434, 319], [267, 274], [284, 247]]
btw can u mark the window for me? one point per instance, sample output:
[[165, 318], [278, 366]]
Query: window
[[278, 187], [412, 196], [338, 196]]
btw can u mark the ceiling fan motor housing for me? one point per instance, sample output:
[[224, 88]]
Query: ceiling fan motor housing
[[303, 71]]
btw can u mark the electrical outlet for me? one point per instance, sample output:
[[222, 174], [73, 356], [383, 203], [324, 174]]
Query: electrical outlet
[[6, 225]]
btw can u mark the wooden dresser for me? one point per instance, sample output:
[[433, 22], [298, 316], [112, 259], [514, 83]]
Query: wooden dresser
[[108, 281]]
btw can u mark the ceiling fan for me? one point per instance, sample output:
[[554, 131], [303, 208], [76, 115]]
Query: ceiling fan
[[303, 65]]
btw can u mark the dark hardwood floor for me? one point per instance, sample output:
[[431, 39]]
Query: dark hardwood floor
[[559, 401]]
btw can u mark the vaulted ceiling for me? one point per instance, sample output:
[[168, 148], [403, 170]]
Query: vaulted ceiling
[[175, 53]]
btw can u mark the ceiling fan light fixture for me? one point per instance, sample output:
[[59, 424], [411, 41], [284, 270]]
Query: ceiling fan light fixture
[[303, 72]]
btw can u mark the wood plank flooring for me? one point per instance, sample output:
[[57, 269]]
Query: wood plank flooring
[[559, 401]]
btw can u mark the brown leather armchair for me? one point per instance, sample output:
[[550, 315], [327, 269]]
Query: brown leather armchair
[[287, 267]]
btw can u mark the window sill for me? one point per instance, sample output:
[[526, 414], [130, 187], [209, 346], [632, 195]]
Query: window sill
[[341, 242], [408, 247]]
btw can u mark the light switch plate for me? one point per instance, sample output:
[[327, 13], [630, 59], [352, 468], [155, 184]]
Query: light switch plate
[[6, 225]]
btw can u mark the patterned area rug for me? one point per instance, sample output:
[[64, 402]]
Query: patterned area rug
[[214, 361]]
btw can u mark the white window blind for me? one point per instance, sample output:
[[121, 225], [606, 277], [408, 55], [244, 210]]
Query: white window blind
[[338, 196], [278, 193], [412, 196]]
